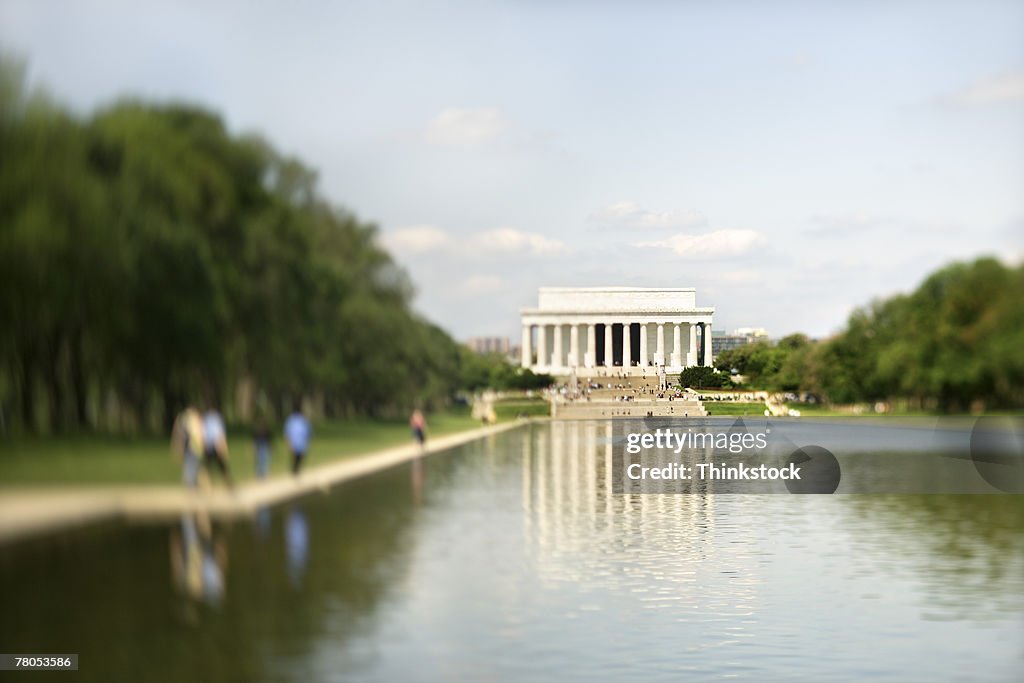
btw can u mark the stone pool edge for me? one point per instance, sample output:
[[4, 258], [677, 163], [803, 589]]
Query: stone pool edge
[[37, 511]]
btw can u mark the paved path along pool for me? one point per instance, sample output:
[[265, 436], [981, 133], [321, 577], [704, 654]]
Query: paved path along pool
[[32, 511]]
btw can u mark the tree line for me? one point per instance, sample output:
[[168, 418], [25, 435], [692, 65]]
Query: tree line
[[955, 343], [494, 371], [149, 257]]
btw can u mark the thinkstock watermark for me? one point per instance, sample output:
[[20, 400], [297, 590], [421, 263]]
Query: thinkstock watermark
[[712, 472], [759, 456]]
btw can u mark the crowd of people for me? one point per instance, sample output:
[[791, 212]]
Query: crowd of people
[[620, 384], [200, 440]]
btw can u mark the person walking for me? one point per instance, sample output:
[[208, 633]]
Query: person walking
[[418, 424], [215, 444], [261, 439], [187, 444], [297, 432]]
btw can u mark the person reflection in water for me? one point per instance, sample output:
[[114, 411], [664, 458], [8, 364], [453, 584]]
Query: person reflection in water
[[296, 538], [262, 523], [198, 559], [417, 480]]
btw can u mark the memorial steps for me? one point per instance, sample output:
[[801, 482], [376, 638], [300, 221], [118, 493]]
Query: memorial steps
[[624, 396]]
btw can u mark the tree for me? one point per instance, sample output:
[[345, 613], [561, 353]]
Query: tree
[[700, 376], [759, 362], [953, 343], [149, 257]]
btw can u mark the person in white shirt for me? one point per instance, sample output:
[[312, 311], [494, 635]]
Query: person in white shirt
[[215, 445]]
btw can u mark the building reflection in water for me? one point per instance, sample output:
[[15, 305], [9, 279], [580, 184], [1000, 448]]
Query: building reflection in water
[[667, 550], [198, 560], [296, 533]]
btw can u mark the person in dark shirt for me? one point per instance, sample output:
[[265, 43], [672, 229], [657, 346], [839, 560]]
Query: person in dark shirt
[[418, 424], [261, 439]]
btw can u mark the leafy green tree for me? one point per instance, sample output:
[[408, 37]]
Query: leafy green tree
[[700, 376], [149, 257], [525, 379], [59, 277], [954, 343], [759, 362]]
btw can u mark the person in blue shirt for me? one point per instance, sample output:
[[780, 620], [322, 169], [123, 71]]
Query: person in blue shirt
[[297, 433], [215, 444], [261, 438]]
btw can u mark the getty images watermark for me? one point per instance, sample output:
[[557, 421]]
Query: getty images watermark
[[728, 455], [664, 439]]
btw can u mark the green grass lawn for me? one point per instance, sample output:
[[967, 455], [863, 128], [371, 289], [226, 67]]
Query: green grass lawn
[[733, 408], [816, 410], [513, 408], [806, 410], [821, 410], [94, 459]]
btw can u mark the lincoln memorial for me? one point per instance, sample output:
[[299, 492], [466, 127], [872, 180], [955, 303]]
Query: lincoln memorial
[[624, 327]]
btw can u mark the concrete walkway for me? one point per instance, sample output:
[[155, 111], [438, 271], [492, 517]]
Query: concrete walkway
[[33, 511]]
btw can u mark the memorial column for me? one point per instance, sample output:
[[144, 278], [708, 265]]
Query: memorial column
[[574, 345], [627, 345], [608, 345], [559, 357], [542, 346], [659, 354], [591, 345], [643, 345], [526, 353], [677, 346], [691, 353], [708, 355]]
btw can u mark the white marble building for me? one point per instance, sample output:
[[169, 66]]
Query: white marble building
[[592, 327]]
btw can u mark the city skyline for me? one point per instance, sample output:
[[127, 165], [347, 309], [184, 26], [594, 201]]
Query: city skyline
[[789, 160]]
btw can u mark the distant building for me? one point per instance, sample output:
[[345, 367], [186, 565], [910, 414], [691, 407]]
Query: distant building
[[608, 327], [490, 345], [741, 336]]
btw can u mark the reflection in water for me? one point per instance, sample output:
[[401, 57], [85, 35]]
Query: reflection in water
[[659, 549], [416, 479], [518, 545], [884, 575], [198, 559], [965, 552], [261, 523], [297, 544], [103, 586]]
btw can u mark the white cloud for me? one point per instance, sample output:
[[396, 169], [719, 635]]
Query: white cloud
[[717, 244], [512, 240], [416, 238], [1007, 87], [454, 126], [855, 224], [845, 221], [1012, 260], [735, 278], [633, 216], [481, 284]]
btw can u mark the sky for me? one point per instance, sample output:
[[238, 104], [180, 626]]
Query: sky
[[791, 160]]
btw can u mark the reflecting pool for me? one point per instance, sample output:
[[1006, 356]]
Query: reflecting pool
[[511, 558]]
